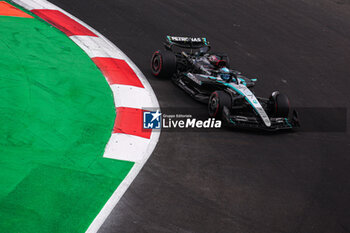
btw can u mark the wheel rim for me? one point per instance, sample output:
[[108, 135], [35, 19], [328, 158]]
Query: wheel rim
[[156, 64], [213, 105]]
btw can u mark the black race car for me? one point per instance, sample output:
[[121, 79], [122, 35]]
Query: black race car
[[207, 78]]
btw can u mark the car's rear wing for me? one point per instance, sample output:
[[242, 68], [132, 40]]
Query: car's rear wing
[[186, 42]]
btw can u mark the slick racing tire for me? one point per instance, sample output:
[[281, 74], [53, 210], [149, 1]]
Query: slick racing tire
[[163, 64], [217, 101], [279, 105]]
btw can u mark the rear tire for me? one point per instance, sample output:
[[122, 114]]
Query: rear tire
[[163, 64], [279, 105], [217, 101]]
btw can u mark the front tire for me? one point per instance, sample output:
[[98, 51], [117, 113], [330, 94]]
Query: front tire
[[163, 64], [217, 101], [279, 105]]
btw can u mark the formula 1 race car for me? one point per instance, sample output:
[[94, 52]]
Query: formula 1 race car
[[207, 78]]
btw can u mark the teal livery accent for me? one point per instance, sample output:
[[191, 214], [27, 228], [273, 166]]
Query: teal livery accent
[[239, 92], [243, 81], [255, 101], [287, 122], [205, 40]]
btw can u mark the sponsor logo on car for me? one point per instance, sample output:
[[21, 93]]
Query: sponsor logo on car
[[185, 39]]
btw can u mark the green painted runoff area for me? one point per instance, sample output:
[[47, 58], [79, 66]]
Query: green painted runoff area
[[56, 116]]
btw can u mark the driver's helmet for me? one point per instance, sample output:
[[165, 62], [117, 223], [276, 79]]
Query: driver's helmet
[[216, 61], [213, 58], [225, 73]]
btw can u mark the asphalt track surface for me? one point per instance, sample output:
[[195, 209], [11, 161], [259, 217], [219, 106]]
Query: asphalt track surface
[[238, 181]]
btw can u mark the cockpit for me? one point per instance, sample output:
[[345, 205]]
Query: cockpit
[[226, 75]]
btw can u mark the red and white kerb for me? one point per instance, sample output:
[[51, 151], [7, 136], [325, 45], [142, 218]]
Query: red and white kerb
[[131, 90]]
